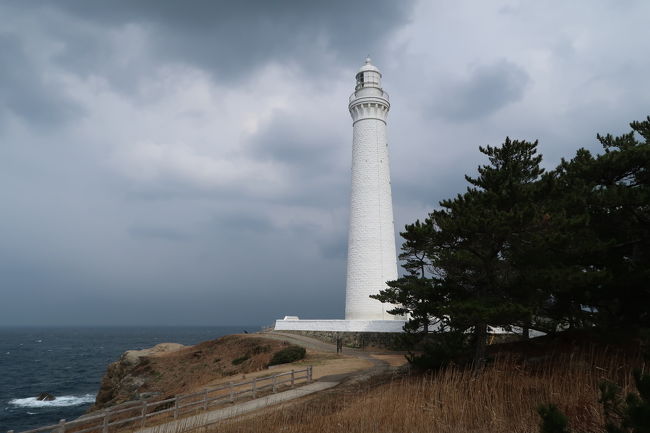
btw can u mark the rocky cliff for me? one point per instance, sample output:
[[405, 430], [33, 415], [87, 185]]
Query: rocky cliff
[[169, 369]]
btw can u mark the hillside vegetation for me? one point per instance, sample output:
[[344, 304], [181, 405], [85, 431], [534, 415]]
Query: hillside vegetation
[[503, 398], [184, 370]]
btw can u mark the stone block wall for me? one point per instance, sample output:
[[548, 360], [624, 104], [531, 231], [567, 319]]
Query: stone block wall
[[358, 340]]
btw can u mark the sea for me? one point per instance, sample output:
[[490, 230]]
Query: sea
[[69, 363]]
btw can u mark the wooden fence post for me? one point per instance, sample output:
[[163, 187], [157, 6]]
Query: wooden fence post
[[205, 399], [61, 428], [293, 378], [309, 374], [175, 407], [105, 421], [143, 413], [254, 387], [232, 393], [275, 384]]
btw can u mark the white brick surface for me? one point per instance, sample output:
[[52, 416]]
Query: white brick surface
[[371, 244]]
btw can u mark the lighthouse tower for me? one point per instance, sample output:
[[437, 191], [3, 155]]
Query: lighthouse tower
[[371, 244]]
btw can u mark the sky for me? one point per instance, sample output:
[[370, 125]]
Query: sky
[[188, 163]]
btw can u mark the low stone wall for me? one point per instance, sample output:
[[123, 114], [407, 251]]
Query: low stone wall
[[358, 340], [365, 326]]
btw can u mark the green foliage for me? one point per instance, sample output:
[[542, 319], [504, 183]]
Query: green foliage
[[439, 350], [288, 354], [601, 242], [631, 415], [241, 359], [565, 249], [553, 420], [461, 261], [261, 349]]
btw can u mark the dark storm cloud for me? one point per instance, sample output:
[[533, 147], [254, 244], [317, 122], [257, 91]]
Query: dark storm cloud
[[207, 178], [316, 159], [25, 91], [487, 89], [287, 138], [232, 39]]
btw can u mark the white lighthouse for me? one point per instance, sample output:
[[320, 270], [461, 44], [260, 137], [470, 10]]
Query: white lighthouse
[[371, 243]]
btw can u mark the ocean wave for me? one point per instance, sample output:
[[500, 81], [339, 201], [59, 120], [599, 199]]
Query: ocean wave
[[64, 400]]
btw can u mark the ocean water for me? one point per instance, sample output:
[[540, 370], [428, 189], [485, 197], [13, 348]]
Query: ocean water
[[69, 363]]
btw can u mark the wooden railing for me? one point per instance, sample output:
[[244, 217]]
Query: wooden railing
[[135, 414]]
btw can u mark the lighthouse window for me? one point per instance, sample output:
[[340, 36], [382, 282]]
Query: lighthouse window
[[360, 78]]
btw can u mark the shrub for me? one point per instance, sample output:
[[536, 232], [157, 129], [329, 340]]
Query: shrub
[[261, 349], [437, 350], [553, 420], [288, 354], [239, 360]]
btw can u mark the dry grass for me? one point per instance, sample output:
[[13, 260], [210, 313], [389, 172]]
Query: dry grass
[[503, 399]]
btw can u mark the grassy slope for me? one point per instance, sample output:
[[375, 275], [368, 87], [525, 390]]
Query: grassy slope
[[565, 371]]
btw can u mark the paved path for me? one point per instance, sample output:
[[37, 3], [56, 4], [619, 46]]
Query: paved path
[[216, 415]]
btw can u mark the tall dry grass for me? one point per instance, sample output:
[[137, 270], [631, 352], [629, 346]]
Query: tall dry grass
[[501, 399]]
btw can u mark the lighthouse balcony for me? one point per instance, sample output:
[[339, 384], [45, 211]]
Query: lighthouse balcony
[[369, 92]]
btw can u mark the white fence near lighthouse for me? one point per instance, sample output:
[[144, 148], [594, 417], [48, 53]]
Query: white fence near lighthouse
[[136, 414]]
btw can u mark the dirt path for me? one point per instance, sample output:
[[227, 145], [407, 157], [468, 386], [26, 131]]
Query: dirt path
[[331, 371], [380, 361]]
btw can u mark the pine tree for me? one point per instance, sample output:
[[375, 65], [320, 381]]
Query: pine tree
[[601, 249], [461, 261]]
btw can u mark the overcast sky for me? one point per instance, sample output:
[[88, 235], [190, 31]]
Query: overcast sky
[[188, 162]]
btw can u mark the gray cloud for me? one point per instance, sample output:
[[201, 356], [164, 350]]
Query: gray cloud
[[26, 92], [202, 169], [152, 232], [232, 39], [487, 89]]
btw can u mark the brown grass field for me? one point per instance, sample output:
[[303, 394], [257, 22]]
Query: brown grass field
[[501, 399]]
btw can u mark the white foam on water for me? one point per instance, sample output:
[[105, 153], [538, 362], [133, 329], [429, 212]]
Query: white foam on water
[[64, 400]]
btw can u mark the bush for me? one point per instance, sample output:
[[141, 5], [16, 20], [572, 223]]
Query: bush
[[288, 354], [553, 420], [437, 350], [629, 415], [239, 360]]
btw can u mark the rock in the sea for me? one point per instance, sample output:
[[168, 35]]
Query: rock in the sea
[[45, 396]]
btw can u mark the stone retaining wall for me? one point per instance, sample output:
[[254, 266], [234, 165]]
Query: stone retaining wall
[[359, 340]]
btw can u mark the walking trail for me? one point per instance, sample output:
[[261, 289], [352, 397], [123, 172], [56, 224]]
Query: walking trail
[[322, 383]]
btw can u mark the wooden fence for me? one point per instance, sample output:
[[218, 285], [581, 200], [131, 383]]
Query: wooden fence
[[135, 414]]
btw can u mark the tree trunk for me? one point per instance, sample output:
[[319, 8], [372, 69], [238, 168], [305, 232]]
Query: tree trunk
[[525, 332], [480, 342]]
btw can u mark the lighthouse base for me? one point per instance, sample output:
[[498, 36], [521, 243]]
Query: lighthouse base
[[293, 323]]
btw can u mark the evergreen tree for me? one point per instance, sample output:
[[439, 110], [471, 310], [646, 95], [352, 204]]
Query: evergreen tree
[[461, 260], [602, 246]]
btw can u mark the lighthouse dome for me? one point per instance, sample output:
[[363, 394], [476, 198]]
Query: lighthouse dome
[[368, 76], [368, 66]]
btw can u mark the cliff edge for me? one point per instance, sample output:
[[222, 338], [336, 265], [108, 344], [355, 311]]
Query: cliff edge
[[169, 369]]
